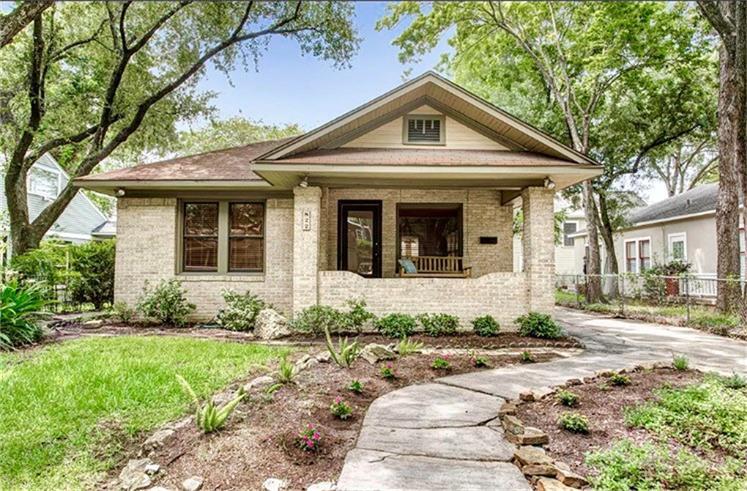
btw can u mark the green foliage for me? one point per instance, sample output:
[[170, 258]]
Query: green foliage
[[357, 315], [356, 386], [619, 379], [235, 131], [538, 325], [680, 362], [320, 318], [240, 312], [396, 325], [49, 265], [92, 266], [287, 371], [486, 326], [439, 324], [20, 308], [345, 353], [387, 372], [527, 357], [440, 364], [734, 381], [574, 422], [478, 361], [208, 416], [407, 346], [123, 312], [567, 398], [340, 409], [166, 303]]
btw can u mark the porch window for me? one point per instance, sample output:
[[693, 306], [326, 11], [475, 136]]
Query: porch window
[[429, 230]]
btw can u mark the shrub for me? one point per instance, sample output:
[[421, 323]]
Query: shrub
[[440, 364], [319, 318], [345, 353], [387, 371], [47, 264], [619, 379], [309, 438], [287, 371], [357, 316], [340, 409], [166, 303], [396, 325], [527, 357], [208, 416], [478, 361], [356, 386], [439, 324], [574, 422], [123, 312], [20, 307], [538, 325], [406, 346], [486, 326], [680, 362], [92, 278], [240, 312], [734, 381], [567, 398]]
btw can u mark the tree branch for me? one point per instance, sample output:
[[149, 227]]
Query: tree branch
[[14, 22], [714, 11]]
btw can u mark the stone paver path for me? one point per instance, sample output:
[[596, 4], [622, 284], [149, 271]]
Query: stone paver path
[[446, 435]]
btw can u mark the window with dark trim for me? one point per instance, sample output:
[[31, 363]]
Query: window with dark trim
[[245, 236], [200, 236], [568, 229], [424, 130]]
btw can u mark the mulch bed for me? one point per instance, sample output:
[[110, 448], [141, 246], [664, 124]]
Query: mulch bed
[[603, 404], [259, 441]]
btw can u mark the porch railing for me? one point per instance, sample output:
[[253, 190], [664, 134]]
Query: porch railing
[[438, 265]]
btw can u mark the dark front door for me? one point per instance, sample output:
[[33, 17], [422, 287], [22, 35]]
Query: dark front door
[[359, 237]]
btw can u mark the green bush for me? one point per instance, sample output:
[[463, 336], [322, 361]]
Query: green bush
[[619, 379], [123, 312], [567, 398], [240, 312], [358, 315], [320, 318], [574, 422], [439, 324], [734, 381], [406, 347], [486, 326], [166, 303], [538, 325], [92, 273], [48, 264], [396, 325], [680, 362], [20, 306]]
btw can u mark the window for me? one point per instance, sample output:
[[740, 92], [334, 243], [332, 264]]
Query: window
[[569, 228], [678, 247], [223, 237], [637, 255], [644, 254], [429, 229], [44, 182], [424, 130], [631, 264]]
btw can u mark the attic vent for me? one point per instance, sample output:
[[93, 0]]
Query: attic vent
[[424, 130]]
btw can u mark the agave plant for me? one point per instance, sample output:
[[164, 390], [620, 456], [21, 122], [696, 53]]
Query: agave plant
[[345, 353], [208, 416], [287, 371], [20, 308], [407, 346]]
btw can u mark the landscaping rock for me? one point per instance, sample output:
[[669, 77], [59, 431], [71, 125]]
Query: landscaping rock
[[151, 469], [259, 382], [539, 470], [531, 436], [374, 353], [547, 484], [274, 484], [573, 381], [159, 488], [194, 483], [134, 475], [529, 455], [271, 325], [93, 324], [507, 408], [527, 396], [568, 477], [158, 439], [323, 357], [322, 486], [512, 425]]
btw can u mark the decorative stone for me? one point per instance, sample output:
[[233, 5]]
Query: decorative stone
[[134, 476], [194, 483], [528, 455], [527, 396], [568, 477], [151, 469], [573, 381], [274, 484], [512, 425], [531, 436], [508, 408], [93, 324], [259, 382], [159, 488], [158, 439], [323, 357], [547, 484], [322, 486], [539, 470], [374, 353], [271, 325]]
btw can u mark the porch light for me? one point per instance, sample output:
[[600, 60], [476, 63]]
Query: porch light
[[120, 192], [304, 182], [549, 183]]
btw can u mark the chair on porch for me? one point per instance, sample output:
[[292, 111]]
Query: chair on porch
[[433, 267]]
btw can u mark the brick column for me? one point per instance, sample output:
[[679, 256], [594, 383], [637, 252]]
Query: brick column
[[306, 235], [538, 241]]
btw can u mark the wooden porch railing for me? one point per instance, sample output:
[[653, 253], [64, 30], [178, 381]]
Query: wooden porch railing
[[446, 266]]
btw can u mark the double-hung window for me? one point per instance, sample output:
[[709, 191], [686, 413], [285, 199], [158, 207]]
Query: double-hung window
[[222, 236], [637, 255], [678, 247]]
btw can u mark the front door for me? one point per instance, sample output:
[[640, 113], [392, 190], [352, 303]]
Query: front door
[[359, 237]]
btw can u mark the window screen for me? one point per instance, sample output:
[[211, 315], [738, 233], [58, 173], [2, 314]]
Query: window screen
[[424, 130]]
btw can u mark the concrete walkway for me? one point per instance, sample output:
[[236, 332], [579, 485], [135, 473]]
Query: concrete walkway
[[446, 435]]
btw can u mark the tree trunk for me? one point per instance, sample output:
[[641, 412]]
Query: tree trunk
[[593, 263], [24, 235], [740, 123], [609, 244]]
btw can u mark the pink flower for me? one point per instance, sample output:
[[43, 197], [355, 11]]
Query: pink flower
[[316, 436], [338, 399], [310, 444]]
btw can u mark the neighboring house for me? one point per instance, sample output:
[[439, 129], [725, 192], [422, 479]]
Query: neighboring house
[[45, 181], [405, 201]]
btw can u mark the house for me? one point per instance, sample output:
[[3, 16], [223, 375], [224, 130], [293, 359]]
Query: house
[[81, 221], [406, 201]]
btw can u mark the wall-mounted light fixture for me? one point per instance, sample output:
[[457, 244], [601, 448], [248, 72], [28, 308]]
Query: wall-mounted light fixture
[[549, 183], [120, 192]]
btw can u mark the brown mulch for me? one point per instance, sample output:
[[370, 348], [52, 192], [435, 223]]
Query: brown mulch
[[259, 441], [603, 404]]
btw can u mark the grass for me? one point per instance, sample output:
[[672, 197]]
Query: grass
[[68, 410]]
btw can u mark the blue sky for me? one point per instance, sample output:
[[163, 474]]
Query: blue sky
[[290, 88]]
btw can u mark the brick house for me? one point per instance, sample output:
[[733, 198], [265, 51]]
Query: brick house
[[406, 201]]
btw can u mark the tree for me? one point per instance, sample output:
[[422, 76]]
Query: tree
[[729, 20], [685, 164], [107, 77], [18, 18], [580, 70]]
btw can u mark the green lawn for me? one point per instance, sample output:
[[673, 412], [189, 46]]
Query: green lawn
[[66, 410]]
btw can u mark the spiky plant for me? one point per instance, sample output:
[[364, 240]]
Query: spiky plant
[[345, 353], [210, 417], [407, 346]]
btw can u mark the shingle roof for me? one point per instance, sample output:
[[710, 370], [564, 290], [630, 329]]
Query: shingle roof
[[698, 200]]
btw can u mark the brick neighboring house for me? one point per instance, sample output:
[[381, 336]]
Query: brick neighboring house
[[405, 201]]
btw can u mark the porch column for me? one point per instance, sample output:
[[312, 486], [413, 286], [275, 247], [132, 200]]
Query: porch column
[[538, 241], [306, 234]]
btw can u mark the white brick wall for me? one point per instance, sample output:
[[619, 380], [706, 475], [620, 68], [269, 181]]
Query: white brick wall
[[539, 247]]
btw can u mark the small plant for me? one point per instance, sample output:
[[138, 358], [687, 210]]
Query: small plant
[[287, 371], [574, 422], [439, 324], [440, 364], [527, 357], [486, 326], [166, 303], [318, 318], [396, 325], [680, 362], [567, 398], [734, 381], [20, 307], [406, 346], [309, 438], [619, 379], [123, 312], [240, 312], [356, 386], [340, 409], [478, 361], [538, 325], [387, 372], [357, 316], [345, 353], [208, 416]]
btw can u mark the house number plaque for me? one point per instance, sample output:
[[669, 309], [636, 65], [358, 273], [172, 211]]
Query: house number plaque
[[306, 220]]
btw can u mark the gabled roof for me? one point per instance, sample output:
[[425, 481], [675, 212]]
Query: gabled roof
[[699, 200]]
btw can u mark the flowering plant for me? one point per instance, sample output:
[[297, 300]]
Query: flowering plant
[[478, 361], [340, 408], [387, 371], [441, 364], [309, 438]]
